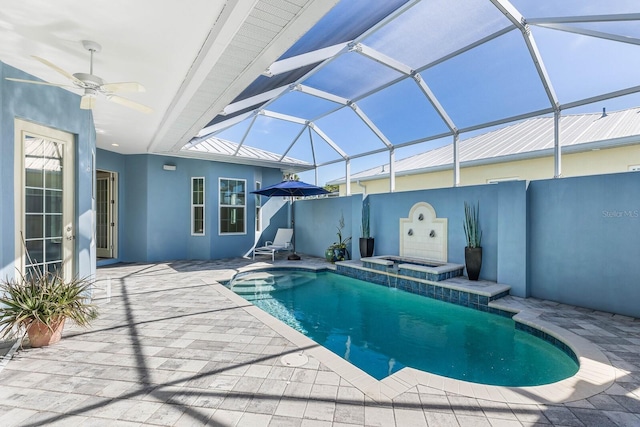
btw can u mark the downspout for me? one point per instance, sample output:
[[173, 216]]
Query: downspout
[[364, 189]]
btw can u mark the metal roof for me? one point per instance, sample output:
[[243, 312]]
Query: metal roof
[[218, 149], [529, 138]]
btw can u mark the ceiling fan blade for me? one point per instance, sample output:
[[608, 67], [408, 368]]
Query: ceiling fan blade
[[129, 103], [87, 102], [123, 87], [60, 70], [33, 82]]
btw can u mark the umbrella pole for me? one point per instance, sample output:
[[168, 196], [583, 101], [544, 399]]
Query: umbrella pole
[[294, 256]]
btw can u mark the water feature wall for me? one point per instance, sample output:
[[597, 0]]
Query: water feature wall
[[423, 235]]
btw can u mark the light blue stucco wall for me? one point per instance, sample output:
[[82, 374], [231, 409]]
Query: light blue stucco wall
[[317, 222], [503, 209], [155, 207], [56, 108], [583, 235]]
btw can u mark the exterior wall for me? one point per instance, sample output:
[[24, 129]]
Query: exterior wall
[[610, 160], [155, 207], [583, 236], [60, 109], [317, 222]]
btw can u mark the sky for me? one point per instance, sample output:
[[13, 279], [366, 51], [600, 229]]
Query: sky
[[491, 82]]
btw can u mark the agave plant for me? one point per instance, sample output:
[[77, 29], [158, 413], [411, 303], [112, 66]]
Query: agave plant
[[43, 297], [472, 226]]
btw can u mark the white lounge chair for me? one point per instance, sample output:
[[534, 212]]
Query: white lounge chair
[[282, 242]]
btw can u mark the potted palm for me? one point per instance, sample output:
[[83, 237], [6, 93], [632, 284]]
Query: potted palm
[[473, 234], [38, 303], [366, 241]]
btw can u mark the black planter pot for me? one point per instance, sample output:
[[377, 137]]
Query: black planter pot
[[473, 262], [340, 254], [366, 247]]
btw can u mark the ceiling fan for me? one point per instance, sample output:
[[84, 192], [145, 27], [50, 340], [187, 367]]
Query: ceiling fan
[[92, 84]]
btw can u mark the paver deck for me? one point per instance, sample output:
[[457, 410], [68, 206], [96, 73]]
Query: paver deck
[[174, 347]]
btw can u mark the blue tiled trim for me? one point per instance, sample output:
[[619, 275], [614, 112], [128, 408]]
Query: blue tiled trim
[[433, 277], [548, 338], [442, 293]]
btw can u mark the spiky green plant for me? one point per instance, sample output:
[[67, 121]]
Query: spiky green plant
[[366, 233], [471, 225], [342, 242], [44, 297]]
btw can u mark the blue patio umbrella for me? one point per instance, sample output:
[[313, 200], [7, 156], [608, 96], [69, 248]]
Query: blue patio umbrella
[[291, 189]]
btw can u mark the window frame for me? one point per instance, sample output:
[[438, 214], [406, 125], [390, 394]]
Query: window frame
[[258, 219], [198, 205], [222, 205]]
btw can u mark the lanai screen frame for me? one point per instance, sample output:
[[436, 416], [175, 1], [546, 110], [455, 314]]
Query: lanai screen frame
[[304, 66]]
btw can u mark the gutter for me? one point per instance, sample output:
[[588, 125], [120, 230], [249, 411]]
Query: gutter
[[547, 152]]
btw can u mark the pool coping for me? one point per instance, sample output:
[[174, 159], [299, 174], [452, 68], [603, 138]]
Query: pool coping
[[595, 373]]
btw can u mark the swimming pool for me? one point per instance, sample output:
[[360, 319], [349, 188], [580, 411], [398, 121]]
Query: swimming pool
[[381, 330]]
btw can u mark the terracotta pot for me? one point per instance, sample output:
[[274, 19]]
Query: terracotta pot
[[40, 335]]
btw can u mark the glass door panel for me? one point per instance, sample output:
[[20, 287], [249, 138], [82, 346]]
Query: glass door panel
[[45, 226]]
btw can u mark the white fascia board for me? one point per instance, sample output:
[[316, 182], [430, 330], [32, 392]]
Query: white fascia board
[[591, 33], [285, 117], [381, 58], [299, 61], [220, 126], [321, 94]]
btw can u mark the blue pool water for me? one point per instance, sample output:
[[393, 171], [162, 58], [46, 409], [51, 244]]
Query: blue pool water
[[381, 330]]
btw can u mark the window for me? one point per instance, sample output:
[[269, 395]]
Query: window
[[258, 207], [232, 206], [197, 206]]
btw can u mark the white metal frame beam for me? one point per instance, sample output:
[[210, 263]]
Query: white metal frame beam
[[321, 94], [518, 20], [219, 127], [590, 33], [294, 142], [426, 91], [244, 137], [586, 19], [299, 61], [285, 117], [367, 121], [328, 140]]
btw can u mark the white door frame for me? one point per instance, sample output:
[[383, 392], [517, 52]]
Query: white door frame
[[112, 214], [23, 128]]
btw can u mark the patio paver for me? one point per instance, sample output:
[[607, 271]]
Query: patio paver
[[172, 347]]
